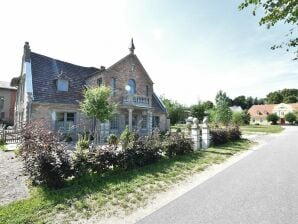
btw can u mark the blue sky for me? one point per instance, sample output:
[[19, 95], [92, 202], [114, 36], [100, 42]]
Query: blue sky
[[191, 49]]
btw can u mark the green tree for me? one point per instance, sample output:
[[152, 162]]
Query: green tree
[[96, 104], [176, 111], [223, 114], [198, 111], [273, 118], [240, 101], [290, 99], [222, 96], [237, 118], [208, 105], [245, 117], [275, 11], [274, 97], [291, 118]]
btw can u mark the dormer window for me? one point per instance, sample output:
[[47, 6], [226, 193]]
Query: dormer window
[[62, 85]]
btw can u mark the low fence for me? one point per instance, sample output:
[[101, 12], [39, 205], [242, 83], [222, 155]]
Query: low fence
[[10, 135]]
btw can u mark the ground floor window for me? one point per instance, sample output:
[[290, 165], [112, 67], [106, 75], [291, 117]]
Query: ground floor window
[[144, 122], [155, 121], [65, 121], [115, 123]]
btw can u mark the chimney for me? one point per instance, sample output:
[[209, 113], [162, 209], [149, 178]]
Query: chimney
[[27, 52], [102, 68]]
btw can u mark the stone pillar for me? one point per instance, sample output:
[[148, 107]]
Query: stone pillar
[[130, 119], [206, 138], [149, 122], [195, 134]]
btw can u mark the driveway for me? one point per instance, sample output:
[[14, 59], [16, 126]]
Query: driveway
[[261, 188]]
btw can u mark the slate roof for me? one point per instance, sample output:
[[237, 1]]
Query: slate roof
[[157, 104], [46, 70]]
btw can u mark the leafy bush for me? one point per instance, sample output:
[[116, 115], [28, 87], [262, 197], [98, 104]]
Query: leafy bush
[[102, 159], [177, 144], [46, 161], [291, 118], [272, 118], [237, 118], [219, 136], [83, 142], [223, 135], [127, 137], [2, 142], [234, 133], [112, 139], [80, 162], [141, 151]]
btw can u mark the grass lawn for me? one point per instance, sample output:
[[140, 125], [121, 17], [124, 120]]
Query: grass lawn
[[115, 192], [262, 128]]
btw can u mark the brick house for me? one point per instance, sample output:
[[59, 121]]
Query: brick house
[[259, 113], [51, 89], [7, 102]]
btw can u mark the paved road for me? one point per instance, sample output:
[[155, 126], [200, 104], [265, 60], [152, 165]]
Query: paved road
[[261, 188]]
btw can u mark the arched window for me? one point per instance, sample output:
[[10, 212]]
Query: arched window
[[132, 86]]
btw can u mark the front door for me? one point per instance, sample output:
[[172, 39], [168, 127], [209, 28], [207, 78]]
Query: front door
[[282, 121]]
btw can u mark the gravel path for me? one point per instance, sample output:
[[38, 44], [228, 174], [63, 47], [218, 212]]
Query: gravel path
[[12, 182]]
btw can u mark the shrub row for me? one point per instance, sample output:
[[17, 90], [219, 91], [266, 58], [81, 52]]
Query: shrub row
[[46, 160], [223, 135], [134, 152]]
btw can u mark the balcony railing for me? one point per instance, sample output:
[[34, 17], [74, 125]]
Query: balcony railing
[[136, 100]]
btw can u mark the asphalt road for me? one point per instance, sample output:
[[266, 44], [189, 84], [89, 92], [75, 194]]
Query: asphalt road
[[261, 188]]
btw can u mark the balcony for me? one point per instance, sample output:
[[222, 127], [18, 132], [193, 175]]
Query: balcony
[[136, 100]]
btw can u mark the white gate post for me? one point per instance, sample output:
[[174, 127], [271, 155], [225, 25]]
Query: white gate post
[[195, 134], [206, 138]]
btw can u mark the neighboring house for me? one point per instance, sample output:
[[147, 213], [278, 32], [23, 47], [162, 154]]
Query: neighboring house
[[236, 109], [7, 102], [259, 113], [52, 89]]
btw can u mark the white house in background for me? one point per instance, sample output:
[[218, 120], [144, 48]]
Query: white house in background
[[236, 109], [259, 113]]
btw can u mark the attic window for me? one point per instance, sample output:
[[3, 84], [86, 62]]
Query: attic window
[[62, 85]]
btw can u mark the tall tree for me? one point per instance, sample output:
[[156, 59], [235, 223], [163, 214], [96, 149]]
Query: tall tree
[[222, 96], [223, 114], [275, 11], [240, 101], [96, 104]]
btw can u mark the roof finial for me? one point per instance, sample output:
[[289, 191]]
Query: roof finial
[[27, 52], [131, 46]]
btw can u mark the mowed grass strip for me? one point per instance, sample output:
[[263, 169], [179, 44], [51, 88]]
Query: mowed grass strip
[[114, 192], [262, 128]]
